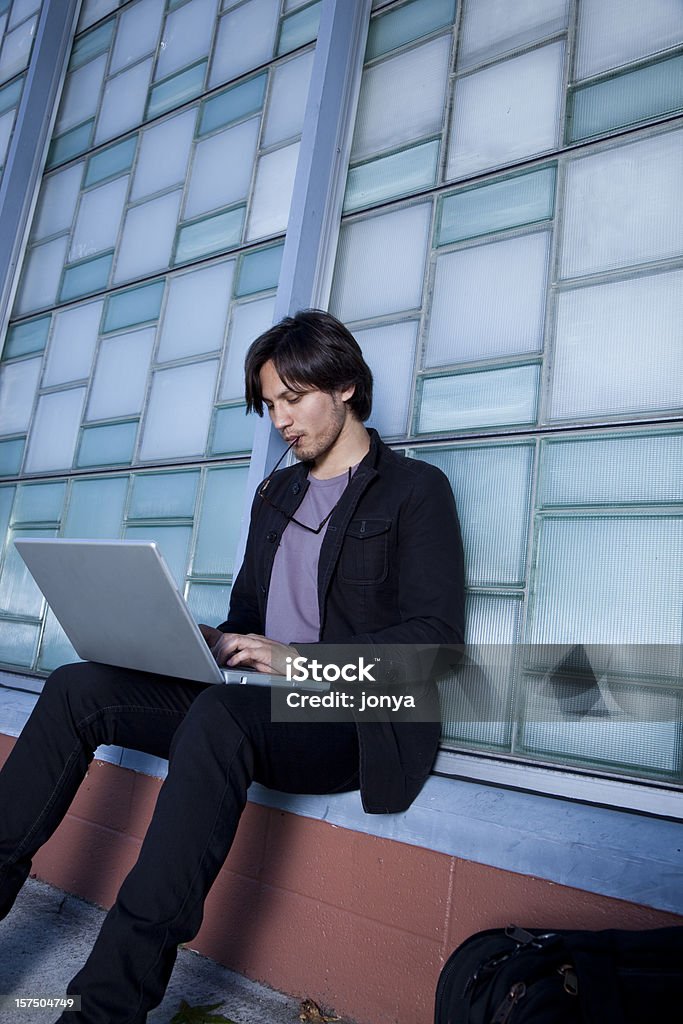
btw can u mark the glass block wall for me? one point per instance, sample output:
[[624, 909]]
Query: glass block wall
[[511, 259], [18, 23], [152, 261]]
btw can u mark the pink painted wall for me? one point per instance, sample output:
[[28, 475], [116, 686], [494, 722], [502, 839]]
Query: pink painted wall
[[360, 924]]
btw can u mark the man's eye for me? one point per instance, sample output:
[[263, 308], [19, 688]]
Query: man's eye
[[293, 399]]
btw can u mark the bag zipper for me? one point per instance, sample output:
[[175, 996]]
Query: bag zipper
[[502, 1014]]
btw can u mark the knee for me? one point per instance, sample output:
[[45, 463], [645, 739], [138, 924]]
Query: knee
[[73, 688], [216, 711]]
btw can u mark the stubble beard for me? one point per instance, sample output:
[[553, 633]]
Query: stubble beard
[[322, 444]]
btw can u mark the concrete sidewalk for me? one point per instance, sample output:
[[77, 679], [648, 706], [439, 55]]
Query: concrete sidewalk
[[48, 935]]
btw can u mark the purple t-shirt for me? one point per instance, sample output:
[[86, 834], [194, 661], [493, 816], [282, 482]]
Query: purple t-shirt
[[292, 612]]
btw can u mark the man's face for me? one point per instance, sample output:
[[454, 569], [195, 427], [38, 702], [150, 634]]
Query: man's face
[[315, 418]]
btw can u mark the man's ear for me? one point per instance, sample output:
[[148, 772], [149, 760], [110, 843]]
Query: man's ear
[[347, 393]]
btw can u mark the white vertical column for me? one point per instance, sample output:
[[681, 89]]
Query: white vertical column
[[31, 138]]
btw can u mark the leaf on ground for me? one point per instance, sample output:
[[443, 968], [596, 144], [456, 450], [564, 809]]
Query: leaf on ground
[[309, 1013], [199, 1014]]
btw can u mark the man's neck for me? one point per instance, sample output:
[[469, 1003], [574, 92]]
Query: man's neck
[[351, 446]]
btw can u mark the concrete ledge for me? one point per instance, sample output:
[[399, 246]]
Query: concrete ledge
[[609, 852]]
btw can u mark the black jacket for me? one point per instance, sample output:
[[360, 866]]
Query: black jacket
[[390, 572]]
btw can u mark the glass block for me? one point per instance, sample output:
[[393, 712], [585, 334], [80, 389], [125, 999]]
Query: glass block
[[233, 104], [245, 39], [94, 43], [213, 234], [11, 454], [147, 237], [259, 270], [10, 96], [98, 220], [109, 445], [6, 500], [219, 522], [40, 276], [96, 507], [163, 156], [626, 99], [617, 348], [405, 23], [55, 648], [179, 411], [249, 320], [208, 602], [645, 748], [39, 503], [120, 379], [493, 618], [86, 278], [489, 301], [299, 29], [16, 49], [380, 264], [287, 103], [137, 33], [134, 306], [123, 102], [506, 112], [81, 95], [233, 431], [93, 10], [477, 701], [389, 351], [489, 398], [19, 595], [627, 468], [111, 162], [22, 9], [402, 99], [25, 338], [608, 580], [186, 37], [174, 544], [18, 642], [494, 27], [54, 431], [272, 194], [612, 33], [164, 495], [399, 174], [495, 532], [289, 5], [506, 203], [176, 90], [222, 168], [70, 144], [185, 334], [18, 382], [57, 203], [6, 126]]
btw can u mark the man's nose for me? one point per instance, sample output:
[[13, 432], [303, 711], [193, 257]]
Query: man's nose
[[281, 418]]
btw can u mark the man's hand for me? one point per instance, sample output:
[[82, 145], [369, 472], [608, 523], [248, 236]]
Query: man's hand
[[250, 650]]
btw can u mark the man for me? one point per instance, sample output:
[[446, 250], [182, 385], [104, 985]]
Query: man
[[354, 545]]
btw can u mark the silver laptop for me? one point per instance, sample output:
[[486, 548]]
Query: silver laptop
[[118, 604]]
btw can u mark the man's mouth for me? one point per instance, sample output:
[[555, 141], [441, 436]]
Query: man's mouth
[[292, 439]]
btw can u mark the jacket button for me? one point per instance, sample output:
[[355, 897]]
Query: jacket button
[[296, 488], [272, 536]]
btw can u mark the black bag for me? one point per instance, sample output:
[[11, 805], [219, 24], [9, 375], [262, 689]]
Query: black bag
[[514, 976]]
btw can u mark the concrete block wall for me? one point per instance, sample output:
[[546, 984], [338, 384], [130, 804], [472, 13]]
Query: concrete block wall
[[361, 924]]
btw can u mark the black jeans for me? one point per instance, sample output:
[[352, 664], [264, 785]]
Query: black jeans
[[217, 740]]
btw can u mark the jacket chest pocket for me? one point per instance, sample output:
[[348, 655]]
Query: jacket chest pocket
[[365, 552]]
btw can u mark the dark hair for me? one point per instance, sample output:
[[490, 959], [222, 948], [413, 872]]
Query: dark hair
[[311, 350]]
